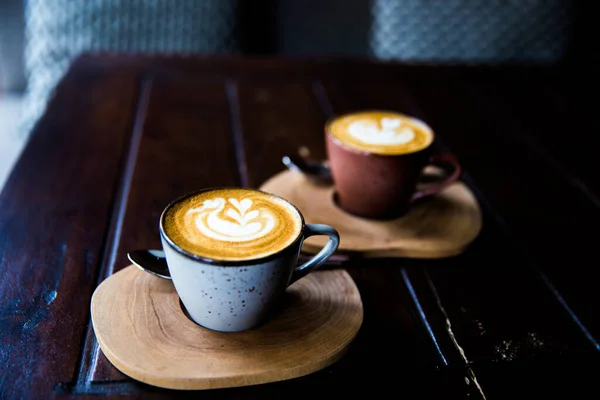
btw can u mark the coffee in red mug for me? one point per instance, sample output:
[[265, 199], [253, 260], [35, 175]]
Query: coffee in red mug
[[376, 159]]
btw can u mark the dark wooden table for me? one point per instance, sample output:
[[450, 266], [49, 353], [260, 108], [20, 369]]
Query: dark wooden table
[[516, 314]]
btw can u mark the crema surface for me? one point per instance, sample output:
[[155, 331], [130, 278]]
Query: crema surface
[[381, 132], [232, 224]]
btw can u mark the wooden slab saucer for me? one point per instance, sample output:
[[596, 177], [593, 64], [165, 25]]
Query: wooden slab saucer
[[143, 332], [439, 226]]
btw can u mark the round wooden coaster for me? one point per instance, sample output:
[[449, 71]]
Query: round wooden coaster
[[142, 330], [439, 226]]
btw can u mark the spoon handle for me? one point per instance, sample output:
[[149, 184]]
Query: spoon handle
[[317, 171], [151, 261]]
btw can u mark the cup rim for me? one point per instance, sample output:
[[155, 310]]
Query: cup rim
[[338, 142], [226, 263]]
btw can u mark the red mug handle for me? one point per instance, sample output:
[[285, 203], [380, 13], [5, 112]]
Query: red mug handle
[[446, 159]]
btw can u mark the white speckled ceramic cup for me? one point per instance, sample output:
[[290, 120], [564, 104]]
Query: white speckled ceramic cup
[[231, 296]]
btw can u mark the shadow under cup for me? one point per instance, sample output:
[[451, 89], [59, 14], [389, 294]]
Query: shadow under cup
[[381, 186]]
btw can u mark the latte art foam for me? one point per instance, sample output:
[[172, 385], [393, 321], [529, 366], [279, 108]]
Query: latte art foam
[[247, 224], [232, 224], [381, 132]]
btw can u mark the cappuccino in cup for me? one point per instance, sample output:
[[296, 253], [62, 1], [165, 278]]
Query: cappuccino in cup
[[232, 252], [232, 224], [376, 158], [380, 132]]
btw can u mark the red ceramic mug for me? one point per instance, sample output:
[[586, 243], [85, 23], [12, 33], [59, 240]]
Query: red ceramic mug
[[376, 160]]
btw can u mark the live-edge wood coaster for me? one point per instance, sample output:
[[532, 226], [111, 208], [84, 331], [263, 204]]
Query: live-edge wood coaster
[[142, 330], [439, 226]]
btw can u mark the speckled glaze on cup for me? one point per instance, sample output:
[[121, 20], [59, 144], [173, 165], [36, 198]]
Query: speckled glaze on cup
[[231, 296], [380, 186]]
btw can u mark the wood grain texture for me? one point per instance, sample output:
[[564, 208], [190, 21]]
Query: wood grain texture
[[508, 288], [184, 136], [142, 329], [441, 226], [547, 135], [259, 123], [278, 116], [54, 212], [466, 326], [552, 220], [528, 322]]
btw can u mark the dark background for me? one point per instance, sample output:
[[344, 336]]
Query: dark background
[[343, 28], [40, 38]]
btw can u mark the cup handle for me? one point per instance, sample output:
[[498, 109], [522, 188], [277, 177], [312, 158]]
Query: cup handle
[[446, 159], [322, 256]]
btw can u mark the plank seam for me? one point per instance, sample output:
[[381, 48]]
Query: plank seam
[[231, 89], [422, 315], [90, 351], [512, 239]]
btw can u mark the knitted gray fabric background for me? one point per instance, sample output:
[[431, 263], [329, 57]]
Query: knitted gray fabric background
[[488, 31], [454, 31], [448, 31], [59, 30]]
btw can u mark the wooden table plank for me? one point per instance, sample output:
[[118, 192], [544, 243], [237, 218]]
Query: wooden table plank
[[392, 327], [489, 270], [552, 220], [54, 214], [277, 117], [498, 309], [557, 128], [564, 376], [461, 327], [185, 143], [349, 68], [375, 380]]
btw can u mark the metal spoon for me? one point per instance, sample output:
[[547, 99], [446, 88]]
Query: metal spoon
[[151, 261], [316, 171]]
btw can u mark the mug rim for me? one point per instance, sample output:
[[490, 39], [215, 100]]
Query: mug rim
[[338, 142], [228, 263]]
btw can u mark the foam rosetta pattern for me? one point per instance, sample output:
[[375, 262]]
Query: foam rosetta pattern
[[232, 224]]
